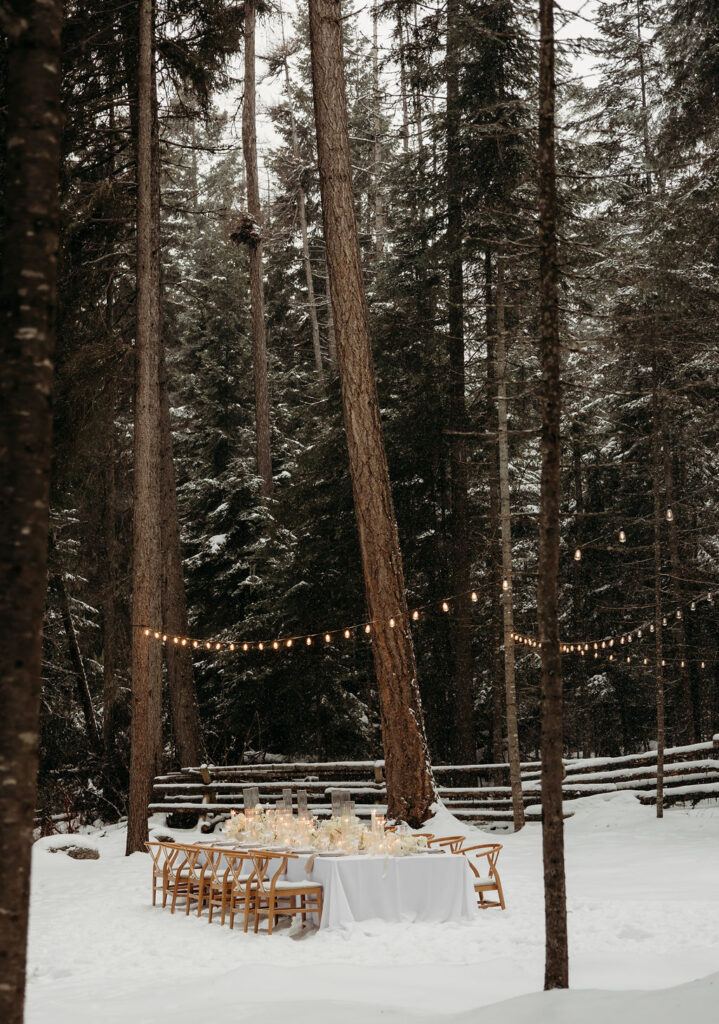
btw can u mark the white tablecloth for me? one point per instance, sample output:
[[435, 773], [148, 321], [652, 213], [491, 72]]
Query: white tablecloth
[[425, 887]]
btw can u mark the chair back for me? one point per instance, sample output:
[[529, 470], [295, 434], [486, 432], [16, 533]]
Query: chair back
[[489, 851]]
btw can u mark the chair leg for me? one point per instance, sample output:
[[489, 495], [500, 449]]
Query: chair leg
[[271, 914]]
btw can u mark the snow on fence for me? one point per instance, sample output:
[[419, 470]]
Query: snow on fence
[[474, 792]]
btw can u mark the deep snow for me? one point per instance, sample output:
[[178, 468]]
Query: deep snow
[[643, 915]]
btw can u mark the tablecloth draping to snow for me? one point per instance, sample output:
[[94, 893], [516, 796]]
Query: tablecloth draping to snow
[[426, 887]]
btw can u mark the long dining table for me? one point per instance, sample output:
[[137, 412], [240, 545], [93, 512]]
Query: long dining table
[[430, 886]]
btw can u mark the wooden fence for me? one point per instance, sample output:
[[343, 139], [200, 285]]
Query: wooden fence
[[475, 792]]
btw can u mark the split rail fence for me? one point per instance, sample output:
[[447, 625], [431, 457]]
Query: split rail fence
[[477, 793]]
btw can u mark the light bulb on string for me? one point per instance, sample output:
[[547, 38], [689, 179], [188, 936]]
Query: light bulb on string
[[622, 537], [289, 643], [328, 637], [578, 555], [347, 634], [664, 620], [704, 664], [184, 642], [245, 647], [275, 644], [505, 583], [164, 638], [208, 645], [368, 628], [260, 646], [474, 596], [195, 643], [415, 615], [218, 647], [232, 647], [651, 627], [710, 598], [147, 632], [445, 606], [157, 636], [669, 515], [308, 641], [694, 606], [175, 639]]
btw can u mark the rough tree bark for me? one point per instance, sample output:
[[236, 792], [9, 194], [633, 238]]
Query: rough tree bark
[[515, 770], [403, 80], [27, 329], [410, 787], [147, 538], [461, 580], [555, 898], [254, 245]]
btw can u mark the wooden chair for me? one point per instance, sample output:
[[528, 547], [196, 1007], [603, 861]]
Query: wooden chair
[[213, 878], [488, 880], [184, 875], [227, 875], [241, 886], [276, 896], [453, 842], [159, 854]]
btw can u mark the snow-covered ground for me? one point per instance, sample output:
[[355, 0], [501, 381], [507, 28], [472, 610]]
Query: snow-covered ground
[[643, 916]]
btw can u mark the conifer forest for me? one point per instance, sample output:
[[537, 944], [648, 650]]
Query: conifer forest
[[381, 416]]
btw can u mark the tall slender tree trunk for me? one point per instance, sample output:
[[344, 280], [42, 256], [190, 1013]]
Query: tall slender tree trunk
[[331, 338], [82, 686], [497, 667], [686, 717], [461, 578], [185, 716], [27, 325], [658, 616], [515, 770], [257, 294], [555, 897], [376, 128], [403, 80], [147, 538], [410, 786], [583, 711], [110, 691], [302, 217]]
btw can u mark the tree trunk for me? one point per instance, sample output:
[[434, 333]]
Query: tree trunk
[[257, 294], [658, 617], [515, 770], [147, 538], [78, 665], [302, 216], [331, 340], [109, 570], [555, 897], [403, 80], [29, 266], [410, 786], [686, 716], [461, 578], [377, 122], [186, 726], [583, 711], [185, 716], [497, 668]]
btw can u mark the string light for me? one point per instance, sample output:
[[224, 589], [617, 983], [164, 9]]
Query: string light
[[622, 537], [670, 515], [578, 647], [578, 555]]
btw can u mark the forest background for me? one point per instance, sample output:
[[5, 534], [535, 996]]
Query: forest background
[[638, 181]]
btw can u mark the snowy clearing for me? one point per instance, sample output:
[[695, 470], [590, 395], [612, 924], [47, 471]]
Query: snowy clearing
[[643, 915]]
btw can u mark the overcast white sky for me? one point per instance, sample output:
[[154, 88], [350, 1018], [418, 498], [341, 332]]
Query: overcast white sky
[[268, 37]]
